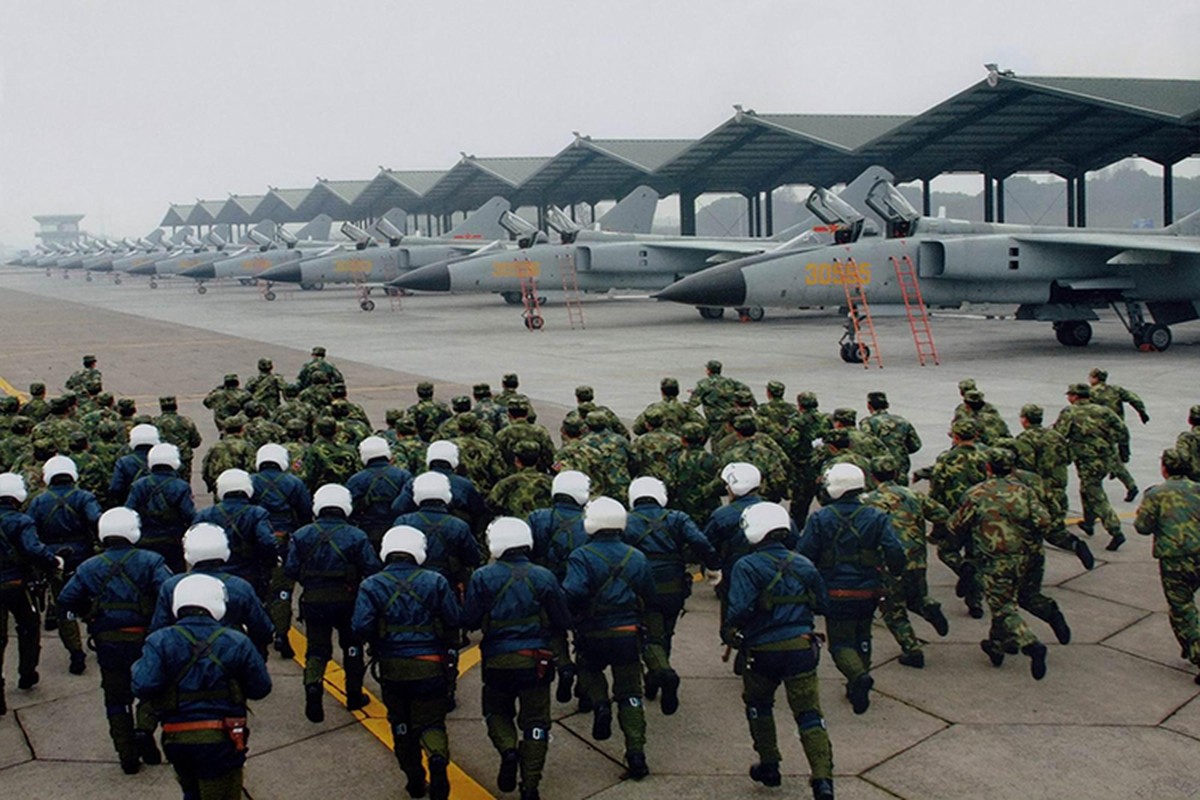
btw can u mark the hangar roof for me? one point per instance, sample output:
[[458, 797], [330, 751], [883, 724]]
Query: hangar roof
[[204, 212], [280, 206], [590, 170], [473, 181], [176, 215], [397, 189], [239, 208], [335, 198]]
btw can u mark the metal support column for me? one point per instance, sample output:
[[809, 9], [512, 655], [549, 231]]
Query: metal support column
[[769, 202], [1081, 200], [999, 199], [989, 198], [1168, 188], [926, 199], [687, 213], [1070, 202]]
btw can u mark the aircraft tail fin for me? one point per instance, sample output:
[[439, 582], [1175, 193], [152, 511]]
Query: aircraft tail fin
[[317, 228], [1188, 226], [155, 236], [854, 193], [483, 223], [633, 214]]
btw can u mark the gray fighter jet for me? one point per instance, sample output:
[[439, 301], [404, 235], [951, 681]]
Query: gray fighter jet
[[368, 261], [272, 246], [213, 247], [603, 260], [1058, 275]]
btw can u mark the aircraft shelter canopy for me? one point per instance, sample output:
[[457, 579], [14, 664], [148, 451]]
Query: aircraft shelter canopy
[[239, 209], [397, 189], [473, 181], [334, 198], [590, 170]]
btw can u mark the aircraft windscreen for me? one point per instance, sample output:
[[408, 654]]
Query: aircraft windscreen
[[557, 218], [831, 209], [515, 225]]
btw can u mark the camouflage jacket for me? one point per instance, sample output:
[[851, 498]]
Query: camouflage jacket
[[1115, 397], [452, 428], [1045, 452], [36, 409], [1170, 512], [304, 377], [260, 431], [179, 431], [295, 409], [909, 510], [329, 462], [224, 403], [616, 464], [491, 414], [674, 415], [428, 415], [578, 455], [654, 451], [763, 452], [955, 471], [1188, 443], [514, 432], [231, 452], [1002, 517], [896, 433], [695, 485], [520, 494], [480, 461], [1093, 432], [407, 451], [57, 430], [266, 388]]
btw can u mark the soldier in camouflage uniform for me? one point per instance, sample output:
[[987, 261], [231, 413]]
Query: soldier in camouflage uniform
[[575, 454], [59, 426], [997, 517], [521, 428], [103, 412], [897, 434], [81, 379], [714, 393], [339, 393], [231, 452], [1093, 433], [319, 392], [259, 428], [585, 403], [955, 471], [812, 425], [479, 458], [10, 407], [1115, 397], [991, 426], [962, 409], [176, 429], [781, 413], [408, 450], [1044, 452], [862, 441], [266, 387], [695, 481], [509, 385], [491, 413], [226, 400], [350, 431], [317, 365], [15, 442], [1188, 444], [763, 452], [327, 460], [127, 410], [108, 449], [460, 405], [293, 408], [674, 413], [616, 462], [296, 444], [526, 489], [909, 512], [36, 407], [92, 475], [656, 449], [1170, 512]]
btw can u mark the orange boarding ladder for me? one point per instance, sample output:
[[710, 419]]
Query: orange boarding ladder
[[570, 279], [914, 308], [862, 326], [533, 306]]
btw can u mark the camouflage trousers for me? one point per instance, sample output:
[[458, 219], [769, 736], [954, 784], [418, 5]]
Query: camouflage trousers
[[793, 663], [1180, 581], [1001, 578], [516, 697], [1029, 589], [1094, 499], [622, 652], [417, 698], [908, 592], [1119, 471]]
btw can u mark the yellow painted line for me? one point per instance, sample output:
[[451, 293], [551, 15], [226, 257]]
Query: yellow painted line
[[374, 716], [9, 389]]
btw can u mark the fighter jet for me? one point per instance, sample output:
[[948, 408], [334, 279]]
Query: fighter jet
[[602, 260], [266, 252], [1058, 275], [370, 262], [202, 251]]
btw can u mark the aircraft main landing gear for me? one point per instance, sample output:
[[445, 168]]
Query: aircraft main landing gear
[[1073, 332], [201, 288], [751, 314], [534, 322], [153, 283], [1149, 337], [711, 312], [87, 276], [850, 349]]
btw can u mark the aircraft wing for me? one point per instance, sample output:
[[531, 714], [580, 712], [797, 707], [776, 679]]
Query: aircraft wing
[[716, 246], [1133, 243]]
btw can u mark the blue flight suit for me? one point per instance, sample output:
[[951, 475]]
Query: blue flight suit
[[449, 546], [20, 549], [556, 532], [374, 489], [289, 505], [128, 469], [164, 502], [466, 502], [252, 549], [243, 610]]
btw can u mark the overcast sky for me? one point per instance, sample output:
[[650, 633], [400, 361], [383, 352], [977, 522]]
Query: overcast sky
[[118, 108]]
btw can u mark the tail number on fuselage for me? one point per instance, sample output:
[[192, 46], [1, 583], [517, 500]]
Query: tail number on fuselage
[[516, 269], [827, 273], [354, 265]]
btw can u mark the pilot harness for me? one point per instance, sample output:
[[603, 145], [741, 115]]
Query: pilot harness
[[241, 544], [519, 574], [62, 502], [208, 730], [616, 572], [104, 602], [673, 558], [349, 576], [846, 547], [559, 541], [161, 511]]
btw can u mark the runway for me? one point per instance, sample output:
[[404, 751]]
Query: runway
[[1117, 715]]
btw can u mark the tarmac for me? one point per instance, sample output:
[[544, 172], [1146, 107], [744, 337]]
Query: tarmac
[[1117, 715]]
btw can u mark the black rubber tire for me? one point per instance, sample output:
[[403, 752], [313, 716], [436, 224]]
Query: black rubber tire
[[755, 313], [1073, 333], [117, 280], [367, 305], [201, 289], [534, 323], [851, 355], [88, 277], [711, 312], [1156, 337], [153, 284], [268, 296], [512, 298]]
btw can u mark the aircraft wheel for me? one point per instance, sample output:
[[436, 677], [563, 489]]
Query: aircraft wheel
[[201, 289], [711, 312], [66, 275], [88, 277], [268, 296], [851, 355], [1073, 333], [153, 284], [367, 305], [752, 313], [512, 298], [117, 280], [534, 323], [49, 272], [1153, 338]]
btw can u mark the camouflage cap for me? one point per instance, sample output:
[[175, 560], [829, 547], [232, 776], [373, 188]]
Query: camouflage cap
[[405, 425], [653, 417], [78, 440], [1079, 390], [597, 420], [519, 405], [1194, 412], [972, 396], [235, 423], [1099, 374], [877, 399], [1000, 458], [885, 465], [510, 380], [585, 408], [469, 424], [9, 403], [965, 429], [231, 379], [291, 389], [965, 384], [109, 430], [743, 397], [59, 405], [88, 360], [745, 425], [714, 366], [265, 365], [1032, 412], [573, 426], [37, 389], [694, 433], [338, 390], [838, 437], [318, 351], [326, 426], [295, 424], [669, 386], [460, 403], [253, 409], [846, 416], [22, 425], [1175, 462], [584, 393], [528, 451], [168, 401], [481, 390], [125, 404], [775, 389], [393, 414], [105, 400], [339, 408], [807, 400], [425, 390], [44, 448]]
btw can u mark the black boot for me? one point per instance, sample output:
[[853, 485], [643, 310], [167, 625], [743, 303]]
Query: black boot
[[439, 781], [1062, 631], [670, 693], [651, 686], [356, 700], [1131, 493], [1115, 543], [78, 662], [859, 692], [530, 794], [822, 788], [915, 659], [130, 765], [28, 680], [3, 702], [147, 748], [506, 780], [994, 651], [766, 774], [939, 622], [1037, 659], [313, 708], [602, 722], [284, 647], [415, 785], [566, 682], [637, 768], [1084, 554]]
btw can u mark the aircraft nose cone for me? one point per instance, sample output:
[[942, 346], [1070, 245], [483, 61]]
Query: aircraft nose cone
[[143, 269], [283, 273], [430, 278], [201, 272], [724, 285]]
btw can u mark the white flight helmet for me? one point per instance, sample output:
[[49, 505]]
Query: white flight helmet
[[121, 523], [842, 478], [205, 541], [333, 495], [650, 487], [59, 465], [603, 514], [741, 477], [431, 486], [200, 591], [403, 539], [573, 484], [164, 455], [762, 518], [142, 435], [234, 480], [275, 454], [442, 450], [13, 485], [507, 533], [373, 447]]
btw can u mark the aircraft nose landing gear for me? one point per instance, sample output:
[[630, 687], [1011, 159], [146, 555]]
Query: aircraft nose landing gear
[[1149, 337]]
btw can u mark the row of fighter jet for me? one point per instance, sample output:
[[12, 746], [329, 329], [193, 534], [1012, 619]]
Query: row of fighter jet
[[1150, 278]]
